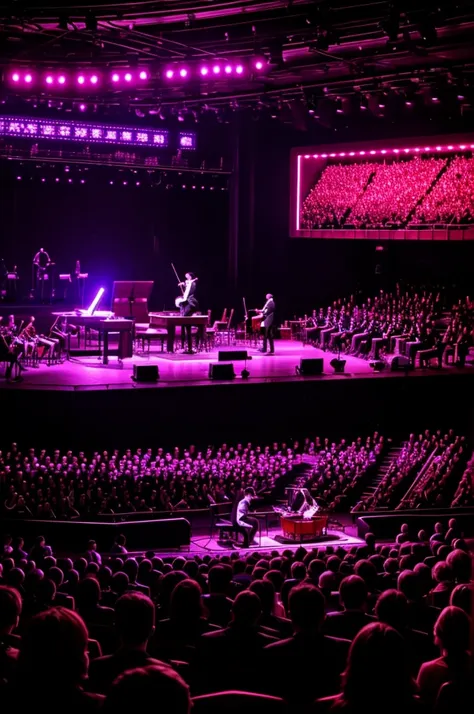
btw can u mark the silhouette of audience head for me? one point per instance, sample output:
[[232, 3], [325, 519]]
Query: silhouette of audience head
[[10, 609], [451, 631], [246, 610], [137, 689], [306, 608], [134, 619]]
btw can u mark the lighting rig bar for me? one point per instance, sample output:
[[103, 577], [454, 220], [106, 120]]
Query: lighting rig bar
[[34, 78], [67, 130]]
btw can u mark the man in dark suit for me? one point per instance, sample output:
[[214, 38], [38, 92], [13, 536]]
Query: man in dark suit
[[244, 523], [135, 623], [268, 315], [307, 665], [353, 597], [233, 654]]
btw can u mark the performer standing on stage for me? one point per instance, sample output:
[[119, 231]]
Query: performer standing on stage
[[268, 315], [188, 305]]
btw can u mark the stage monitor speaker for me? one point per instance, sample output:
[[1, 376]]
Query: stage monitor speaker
[[221, 371], [310, 367], [232, 355], [145, 373], [400, 364], [338, 365]]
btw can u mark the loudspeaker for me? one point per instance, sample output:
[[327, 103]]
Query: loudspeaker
[[338, 365], [145, 373], [400, 364], [309, 367], [230, 355], [221, 371]]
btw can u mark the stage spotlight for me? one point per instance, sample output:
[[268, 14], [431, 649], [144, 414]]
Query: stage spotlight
[[258, 64], [28, 78], [216, 69], [183, 72], [338, 365], [61, 79], [94, 79], [49, 79], [204, 71], [82, 107], [15, 77], [81, 79], [128, 77], [169, 74], [377, 365], [143, 74], [228, 69], [115, 77], [239, 69]]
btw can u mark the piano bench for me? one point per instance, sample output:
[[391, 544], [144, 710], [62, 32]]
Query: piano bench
[[225, 527], [146, 336]]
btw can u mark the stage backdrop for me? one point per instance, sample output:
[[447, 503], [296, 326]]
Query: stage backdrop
[[117, 232]]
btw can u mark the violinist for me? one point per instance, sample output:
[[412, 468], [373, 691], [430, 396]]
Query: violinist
[[188, 305], [268, 317]]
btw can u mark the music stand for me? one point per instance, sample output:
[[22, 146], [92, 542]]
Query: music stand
[[130, 299]]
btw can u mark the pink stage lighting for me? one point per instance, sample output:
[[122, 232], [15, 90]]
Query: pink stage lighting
[[216, 69], [115, 77], [61, 79], [81, 79], [49, 79], [15, 77], [228, 69], [82, 107], [183, 72], [259, 65], [143, 74], [239, 69], [204, 71], [169, 74], [94, 79], [28, 78], [128, 77]]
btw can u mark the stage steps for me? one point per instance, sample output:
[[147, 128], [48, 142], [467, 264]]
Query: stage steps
[[391, 456]]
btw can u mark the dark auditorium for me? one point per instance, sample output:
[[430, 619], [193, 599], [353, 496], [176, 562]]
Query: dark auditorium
[[237, 357]]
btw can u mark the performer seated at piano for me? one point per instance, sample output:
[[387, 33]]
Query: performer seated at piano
[[188, 305], [268, 315], [244, 523]]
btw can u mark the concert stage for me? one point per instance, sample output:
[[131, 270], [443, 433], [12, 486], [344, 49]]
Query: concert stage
[[179, 369]]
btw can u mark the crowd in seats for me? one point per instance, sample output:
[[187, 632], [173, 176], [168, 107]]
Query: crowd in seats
[[436, 486], [403, 469], [418, 325], [376, 195], [82, 486], [339, 470], [335, 192], [452, 198], [394, 192], [72, 487], [464, 494], [359, 628]]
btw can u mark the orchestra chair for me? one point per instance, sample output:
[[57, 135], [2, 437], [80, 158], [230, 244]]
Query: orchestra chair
[[145, 335], [225, 333], [233, 701], [211, 330]]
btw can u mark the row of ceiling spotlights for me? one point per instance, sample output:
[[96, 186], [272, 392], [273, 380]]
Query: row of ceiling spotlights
[[212, 70]]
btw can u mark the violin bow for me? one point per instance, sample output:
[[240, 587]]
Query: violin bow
[[177, 278]]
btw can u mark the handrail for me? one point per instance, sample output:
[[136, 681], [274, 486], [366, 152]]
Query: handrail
[[418, 478]]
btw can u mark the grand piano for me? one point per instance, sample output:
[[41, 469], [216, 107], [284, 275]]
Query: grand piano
[[301, 520], [171, 320]]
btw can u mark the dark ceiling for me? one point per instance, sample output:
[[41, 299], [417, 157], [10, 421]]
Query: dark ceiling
[[314, 50]]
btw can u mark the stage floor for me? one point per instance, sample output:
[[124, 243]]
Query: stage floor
[[269, 542], [88, 372]]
